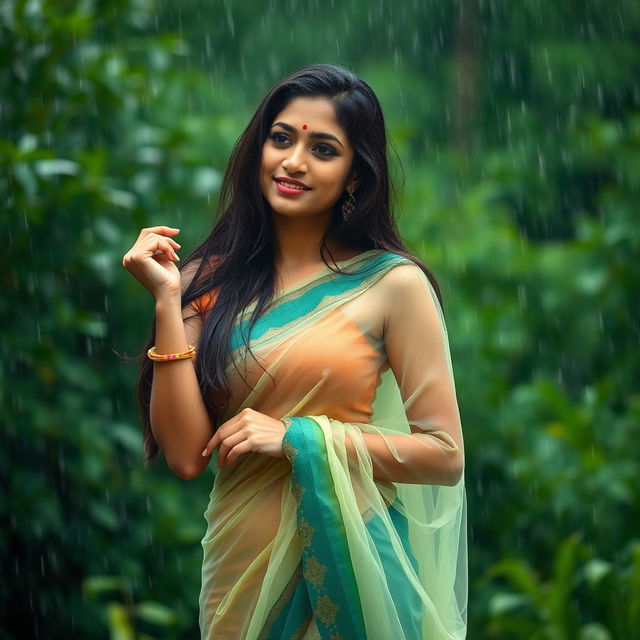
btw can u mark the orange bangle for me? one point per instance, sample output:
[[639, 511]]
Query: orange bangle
[[189, 353]]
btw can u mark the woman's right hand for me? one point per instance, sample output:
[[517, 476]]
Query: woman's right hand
[[151, 260]]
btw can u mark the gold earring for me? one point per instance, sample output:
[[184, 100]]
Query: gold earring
[[348, 207]]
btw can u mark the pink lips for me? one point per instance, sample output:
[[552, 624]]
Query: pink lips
[[290, 191]]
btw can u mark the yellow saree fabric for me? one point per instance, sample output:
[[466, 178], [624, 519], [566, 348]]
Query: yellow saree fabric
[[342, 358]]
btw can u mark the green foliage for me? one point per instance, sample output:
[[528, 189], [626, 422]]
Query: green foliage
[[125, 619], [522, 604], [79, 502], [521, 148]]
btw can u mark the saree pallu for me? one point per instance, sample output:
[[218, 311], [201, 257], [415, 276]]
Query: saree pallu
[[316, 544]]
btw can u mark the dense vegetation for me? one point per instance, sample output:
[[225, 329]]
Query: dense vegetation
[[518, 127]]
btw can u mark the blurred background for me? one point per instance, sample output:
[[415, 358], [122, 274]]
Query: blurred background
[[516, 148]]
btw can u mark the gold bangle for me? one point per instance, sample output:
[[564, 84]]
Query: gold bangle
[[189, 353]]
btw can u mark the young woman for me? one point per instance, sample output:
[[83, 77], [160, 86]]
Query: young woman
[[322, 384]]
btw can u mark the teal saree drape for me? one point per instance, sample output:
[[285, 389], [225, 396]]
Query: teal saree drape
[[325, 583]]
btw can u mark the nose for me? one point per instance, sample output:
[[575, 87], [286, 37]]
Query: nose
[[295, 160]]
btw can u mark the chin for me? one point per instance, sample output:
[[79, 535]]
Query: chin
[[292, 214]]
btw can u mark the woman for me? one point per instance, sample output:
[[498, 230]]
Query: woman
[[322, 383]]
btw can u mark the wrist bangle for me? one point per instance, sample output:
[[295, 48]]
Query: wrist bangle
[[189, 353]]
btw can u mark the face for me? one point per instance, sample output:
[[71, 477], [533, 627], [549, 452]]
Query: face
[[306, 160]]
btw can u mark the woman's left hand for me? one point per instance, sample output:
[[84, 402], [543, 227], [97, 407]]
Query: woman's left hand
[[248, 431]]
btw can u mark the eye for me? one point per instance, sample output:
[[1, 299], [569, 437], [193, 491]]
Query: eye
[[325, 149], [279, 138]]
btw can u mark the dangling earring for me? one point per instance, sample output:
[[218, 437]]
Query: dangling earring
[[348, 207]]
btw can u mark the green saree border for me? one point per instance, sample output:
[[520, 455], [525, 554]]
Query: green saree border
[[326, 562], [291, 614]]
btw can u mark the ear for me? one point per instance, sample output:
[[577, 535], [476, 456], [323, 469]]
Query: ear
[[353, 183]]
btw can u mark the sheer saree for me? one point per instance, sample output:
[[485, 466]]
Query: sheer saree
[[322, 543]]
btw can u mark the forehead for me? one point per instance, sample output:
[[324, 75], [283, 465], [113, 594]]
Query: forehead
[[317, 113]]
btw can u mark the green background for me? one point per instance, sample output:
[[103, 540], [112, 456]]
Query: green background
[[516, 136]]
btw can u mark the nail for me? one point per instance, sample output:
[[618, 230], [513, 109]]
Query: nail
[[204, 453]]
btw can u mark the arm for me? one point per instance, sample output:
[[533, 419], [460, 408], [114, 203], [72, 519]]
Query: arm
[[416, 460], [417, 347], [416, 342], [179, 419]]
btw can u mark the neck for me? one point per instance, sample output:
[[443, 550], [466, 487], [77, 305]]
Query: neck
[[298, 241]]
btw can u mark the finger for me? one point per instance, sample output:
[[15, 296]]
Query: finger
[[224, 431], [228, 427], [227, 445], [164, 258], [170, 241], [158, 244], [221, 433], [244, 447], [211, 445], [161, 230]]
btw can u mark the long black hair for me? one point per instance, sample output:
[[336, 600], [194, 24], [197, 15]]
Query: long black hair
[[242, 242]]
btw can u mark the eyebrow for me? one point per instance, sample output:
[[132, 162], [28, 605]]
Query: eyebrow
[[326, 136]]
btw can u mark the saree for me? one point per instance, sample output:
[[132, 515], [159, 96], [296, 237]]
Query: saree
[[333, 541]]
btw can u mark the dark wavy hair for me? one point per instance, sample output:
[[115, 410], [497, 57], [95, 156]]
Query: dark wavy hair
[[242, 241]]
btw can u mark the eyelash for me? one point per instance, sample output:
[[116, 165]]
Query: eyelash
[[275, 140]]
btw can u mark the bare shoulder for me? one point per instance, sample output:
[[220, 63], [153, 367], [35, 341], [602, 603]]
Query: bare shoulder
[[404, 279], [408, 291]]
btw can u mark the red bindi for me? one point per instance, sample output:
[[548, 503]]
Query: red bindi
[[304, 126]]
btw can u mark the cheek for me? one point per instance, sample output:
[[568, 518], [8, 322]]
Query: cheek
[[266, 166], [270, 159], [335, 177], [265, 173]]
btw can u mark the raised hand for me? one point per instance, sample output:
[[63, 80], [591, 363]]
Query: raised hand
[[151, 260], [247, 431]]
